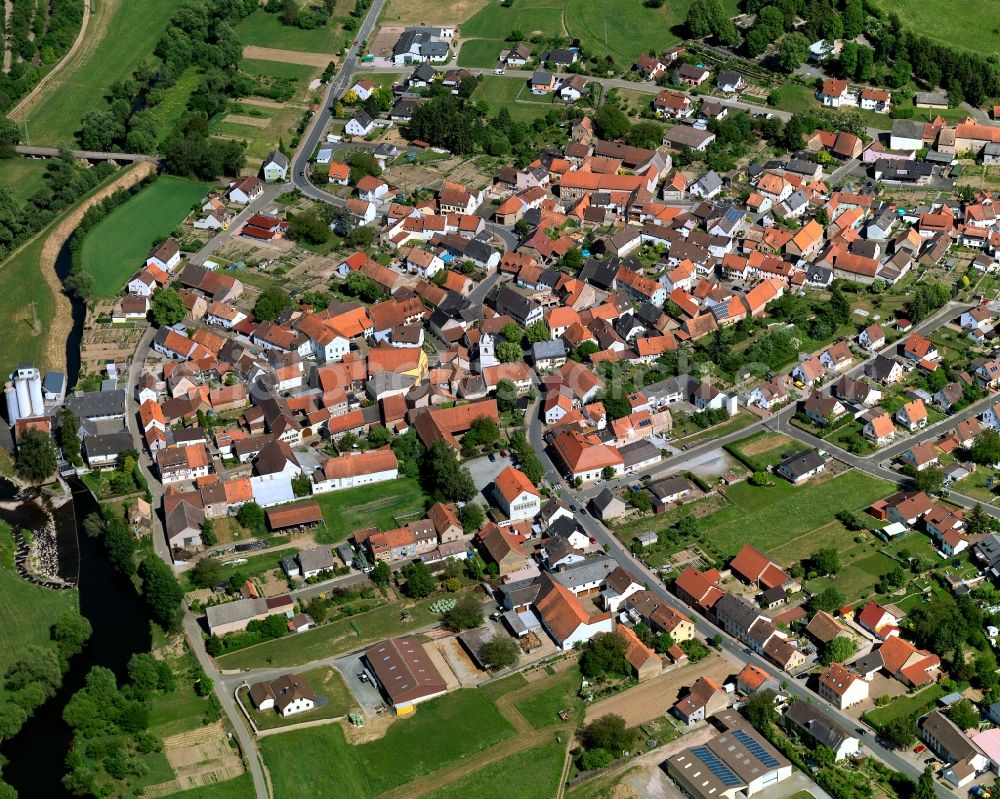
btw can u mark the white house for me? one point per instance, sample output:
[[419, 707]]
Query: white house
[[842, 687], [355, 469], [516, 495], [166, 256], [245, 191], [565, 618], [275, 167], [360, 124]]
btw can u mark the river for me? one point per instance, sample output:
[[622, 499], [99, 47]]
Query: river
[[36, 756]]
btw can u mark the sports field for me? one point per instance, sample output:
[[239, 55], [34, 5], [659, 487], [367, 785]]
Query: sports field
[[619, 28], [120, 36], [385, 505], [114, 250]]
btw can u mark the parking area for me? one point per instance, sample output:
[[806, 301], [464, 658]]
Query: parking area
[[484, 471], [364, 692]]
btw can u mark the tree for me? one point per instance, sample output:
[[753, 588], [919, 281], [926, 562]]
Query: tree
[[537, 331], [271, 302], [608, 732], [508, 352], [308, 226], [828, 599], [823, 562], [34, 666], [167, 307], [759, 711], [499, 652], [446, 478], [301, 485], [512, 332], [899, 732], [608, 473], [925, 785], [161, 591], [645, 134], [466, 614], [69, 436], [978, 522], [208, 537], [419, 582], [36, 456], [251, 516], [928, 480], [471, 516], [611, 122], [381, 574], [838, 650], [793, 49], [964, 714], [985, 448], [378, 436], [206, 573], [70, 632], [604, 656]]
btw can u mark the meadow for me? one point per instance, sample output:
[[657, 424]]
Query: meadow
[[120, 36], [117, 247], [23, 176], [948, 22], [541, 709], [266, 30], [526, 775]]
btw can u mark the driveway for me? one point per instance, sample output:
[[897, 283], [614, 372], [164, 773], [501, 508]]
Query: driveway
[[365, 693]]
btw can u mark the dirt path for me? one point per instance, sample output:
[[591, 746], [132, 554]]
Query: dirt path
[[62, 318], [263, 102], [8, 57], [104, 13], [286, 56], [251, 122]]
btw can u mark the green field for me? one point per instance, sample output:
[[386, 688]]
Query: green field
[[117, 247], [480, 52], [542, 709], [969, 24], [333, 638], [498, 688], [779, 513], [266, 30], [499, 93], [902, 706], [26, 611], [239, 788], [530, 774], [132, 32], [762, 449], [23, 176], [316, 762], [618, 28], [385, 505], [319, 763], [279, 69], [169, 110]]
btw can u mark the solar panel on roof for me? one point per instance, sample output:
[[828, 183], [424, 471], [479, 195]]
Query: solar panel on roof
[[755, 749], [716, 766]]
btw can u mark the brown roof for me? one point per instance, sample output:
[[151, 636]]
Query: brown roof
[[404, 670], [308, 512], [352, 465]]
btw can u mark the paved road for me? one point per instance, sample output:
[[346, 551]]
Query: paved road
[[90, 155], [300, 164], [271, 191]]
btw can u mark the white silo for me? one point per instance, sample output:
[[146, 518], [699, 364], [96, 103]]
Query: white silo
[[23, 397], [35, 392], [11, 395]]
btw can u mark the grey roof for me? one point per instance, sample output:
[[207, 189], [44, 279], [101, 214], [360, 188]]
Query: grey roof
[[800, 463], [54, 382], [541, 76], [727, 78], [821, 727], [868, 663], [955, 744], [560, 56], [709, 182], [277, 157], [95, 404], [908, 128], [541, 350], [239, 610], [106, 445], [424, 72], [931, 98], [363, 118], [315, 559], [589, 571], [604, 500], [738, 610]]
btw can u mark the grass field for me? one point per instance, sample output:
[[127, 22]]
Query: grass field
[[618, 28], [114, 250], [381, 505], [968, 24], [332, 639], [317, 763], [498, 688], [169, 110], [902, 706], [279, 69], [443, 731], [782, 512], [762, 449], [131, 32], [530, 774], [480, 52], [26, 613], [499, 93], [239, 788], [23, 176], [324, 681], [542, 709], [266, 30]]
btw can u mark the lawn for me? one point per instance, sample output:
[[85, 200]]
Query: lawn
[[443, 731], [385, 505], [26, 613], [239, 788], [542, 709], [902, 706], [497, 92], [316, 762], [480, 53], [325, 682], [498, 688], [532, 773], [23, 176], [762, 449], [266, 30], [800, 99], [117, 247], [975, 485], [279, 69], [252, 566], [618, 28], [781, 512], [959, 23], [334, 638], [131, 31]]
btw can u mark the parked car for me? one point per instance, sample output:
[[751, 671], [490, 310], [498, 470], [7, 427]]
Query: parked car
[[919, 749]]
